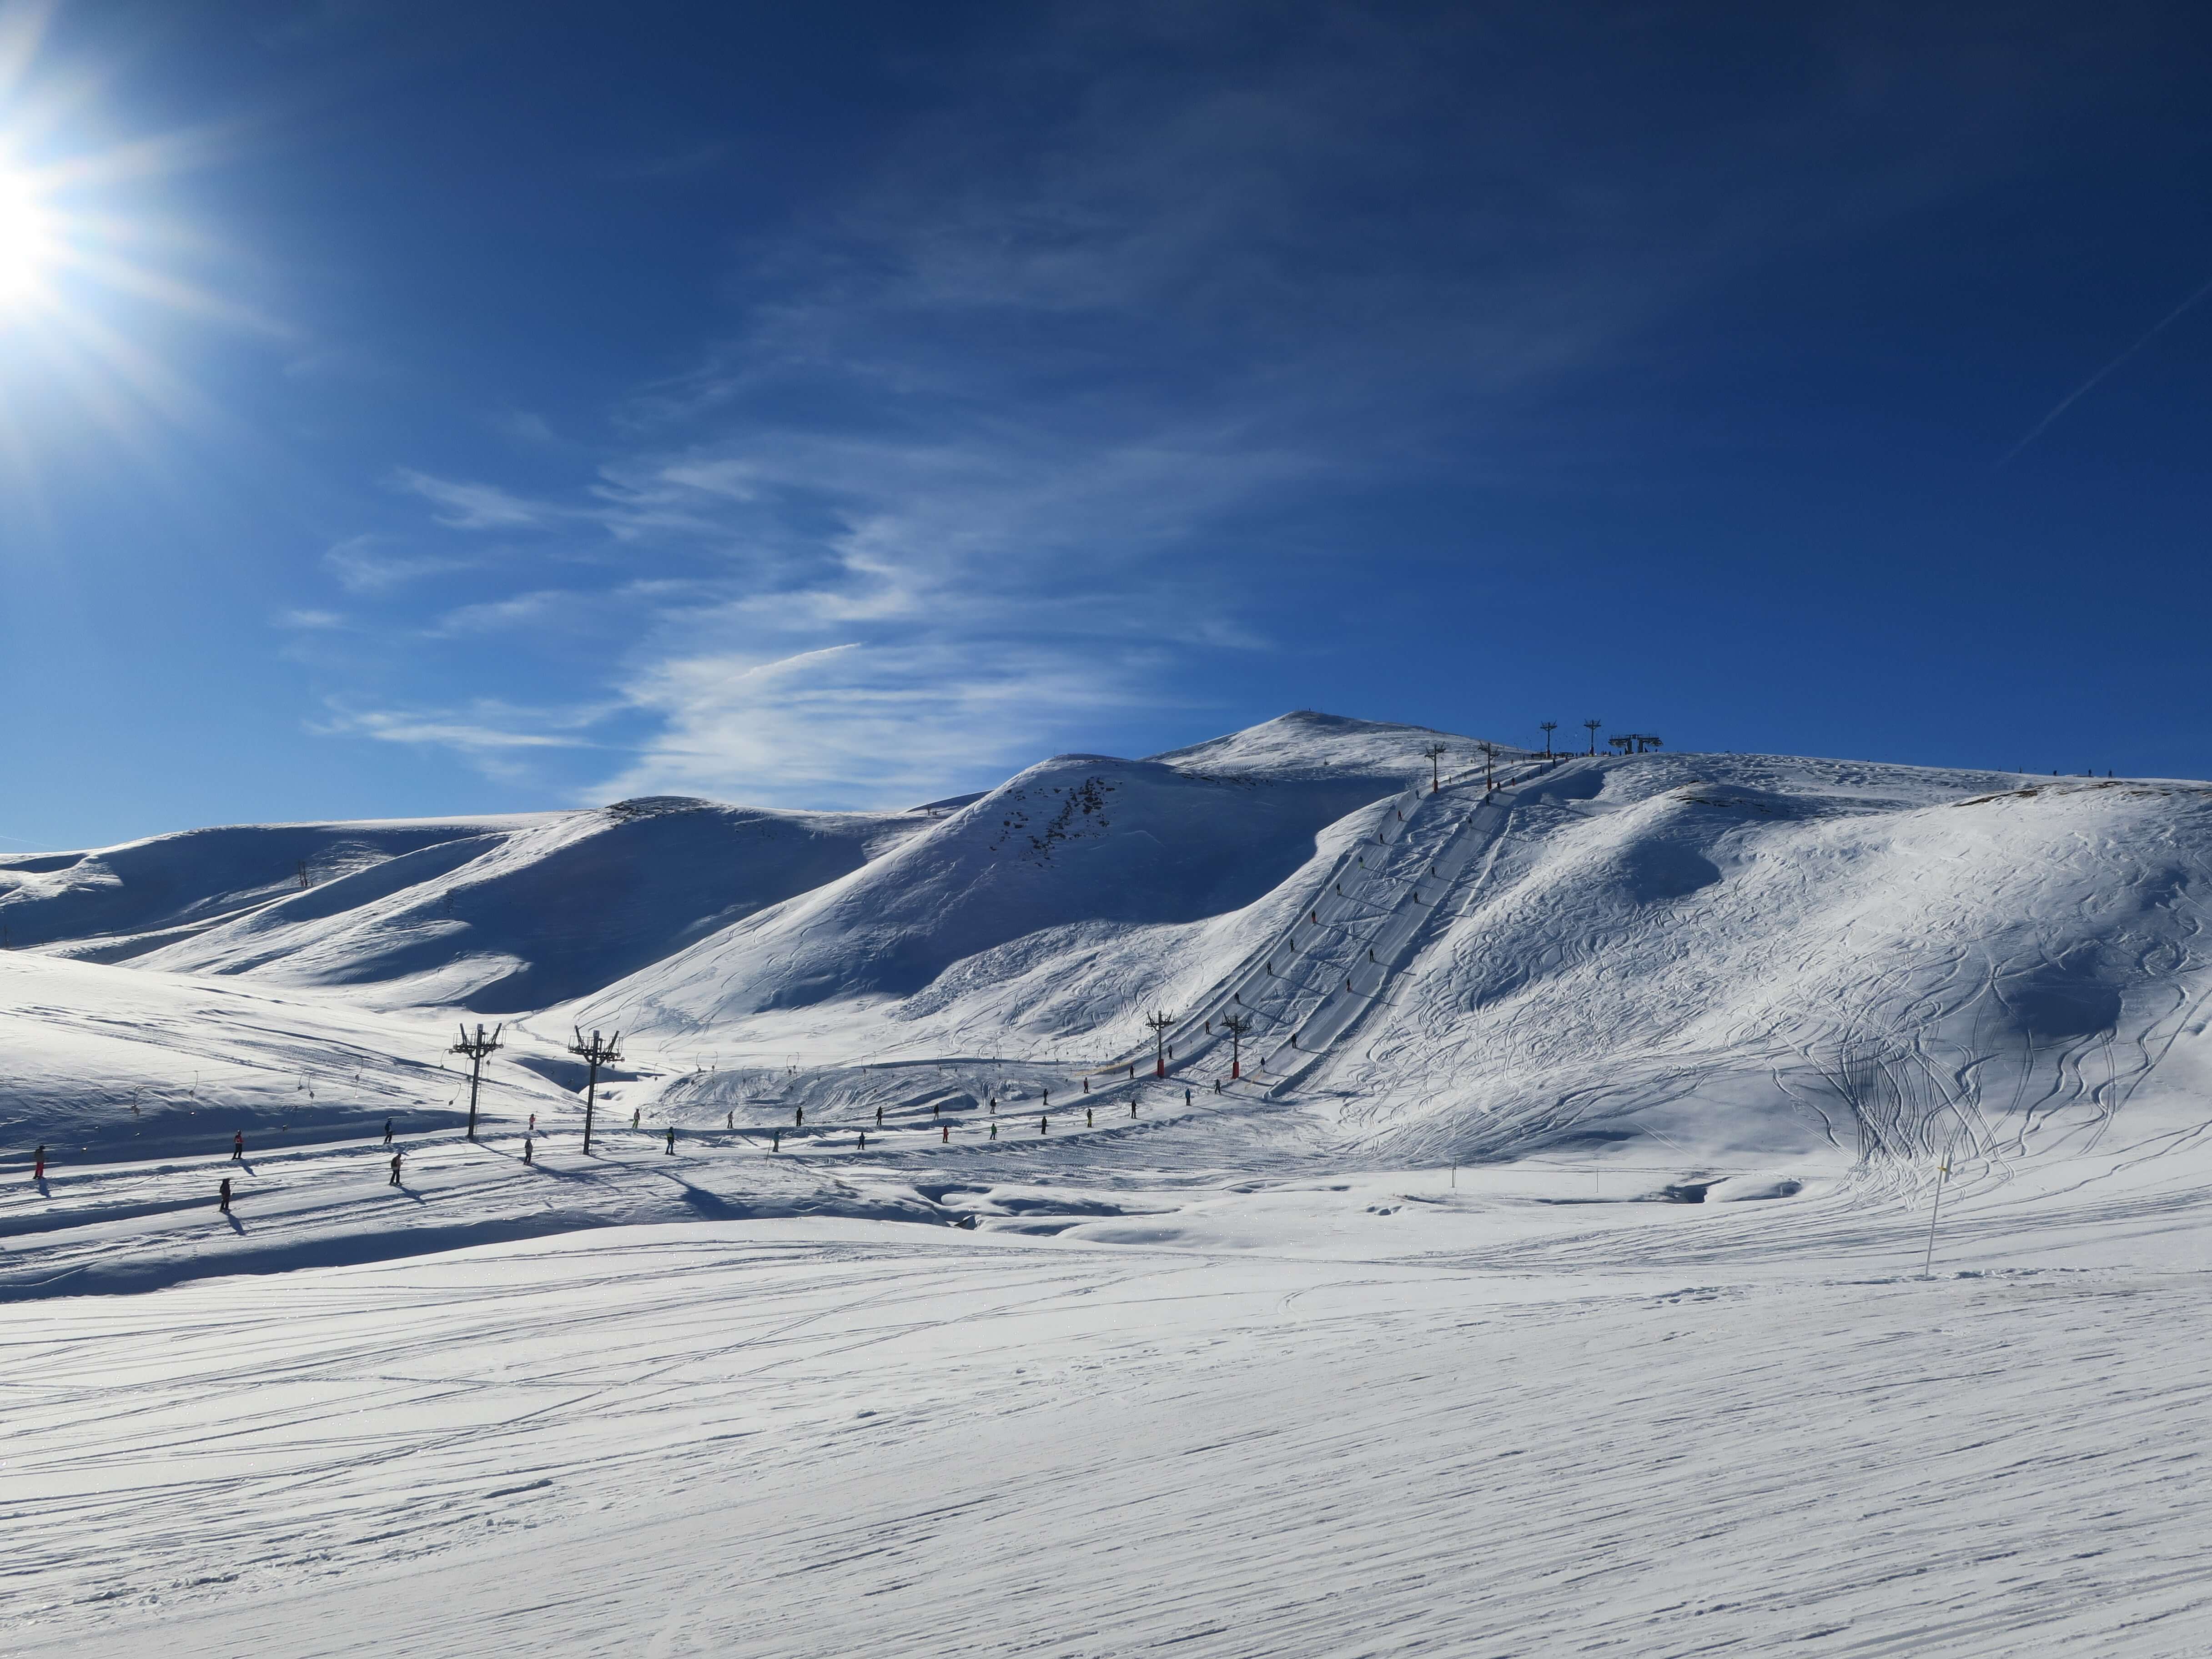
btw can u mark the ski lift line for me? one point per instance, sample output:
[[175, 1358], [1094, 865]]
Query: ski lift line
[[1191, 1035], [1339, 1012], [1242, 977]]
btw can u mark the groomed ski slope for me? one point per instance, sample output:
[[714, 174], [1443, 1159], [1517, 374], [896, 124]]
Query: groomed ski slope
[[827, 1438], [1549, 1279]]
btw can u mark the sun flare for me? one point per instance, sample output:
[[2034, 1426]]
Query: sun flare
[[27, 238]]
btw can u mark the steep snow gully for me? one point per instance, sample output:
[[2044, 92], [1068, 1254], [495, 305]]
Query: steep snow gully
[[1510, 1231]]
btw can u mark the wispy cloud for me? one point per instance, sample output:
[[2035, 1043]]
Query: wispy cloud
[[524, 426], [477, 506], [1010, 430], [855, 725], [377, 563], [501, 740], [544, 609]]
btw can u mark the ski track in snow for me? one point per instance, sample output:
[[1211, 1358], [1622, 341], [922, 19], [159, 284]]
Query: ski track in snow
[[756, 1442]]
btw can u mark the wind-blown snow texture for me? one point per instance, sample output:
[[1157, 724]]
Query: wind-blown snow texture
[[1364, 1343]]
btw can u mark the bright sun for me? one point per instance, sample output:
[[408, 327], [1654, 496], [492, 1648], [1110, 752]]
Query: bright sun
[[89, 254], [26, 239]]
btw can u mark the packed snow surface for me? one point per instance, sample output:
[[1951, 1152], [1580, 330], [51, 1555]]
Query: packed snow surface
[[1507, 1237]]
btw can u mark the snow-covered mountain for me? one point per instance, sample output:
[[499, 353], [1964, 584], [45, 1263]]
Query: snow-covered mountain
[[1757, 955], [1525, 1154]]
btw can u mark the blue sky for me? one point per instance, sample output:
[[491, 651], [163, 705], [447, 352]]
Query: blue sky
[[430, 409]]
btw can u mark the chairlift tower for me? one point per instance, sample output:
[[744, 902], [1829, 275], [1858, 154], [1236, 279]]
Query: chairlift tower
[[1160, 1022], [1237, 1025], [476, 1048], [594, 1055]]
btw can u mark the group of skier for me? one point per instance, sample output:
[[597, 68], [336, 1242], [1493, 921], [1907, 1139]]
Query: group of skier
[[238, 1156], [529, 1140]]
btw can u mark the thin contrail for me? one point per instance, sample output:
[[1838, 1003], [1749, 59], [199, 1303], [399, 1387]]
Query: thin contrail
[[2075, 396]]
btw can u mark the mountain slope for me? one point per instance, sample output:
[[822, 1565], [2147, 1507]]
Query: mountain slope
[[549, 912], [116, 903], [1064, 857], [491, 915], [1848, 962], [1725, 955]]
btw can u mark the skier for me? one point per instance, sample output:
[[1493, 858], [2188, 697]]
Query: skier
[[730, 1118], [222, 1196], [1217, 1085], [944, 1134], [798, 1118], [1185, 1098], [1047, 1097], [671, 1140], [864, 1141], [387, 1132], [880, 1117], [238, 1147], [1043, 1126], [39, 1165], [396, 1157], [775, 1141], [1087, 1123], [533, 1129], [634, 1112], [526, 1149], [995, 1132]]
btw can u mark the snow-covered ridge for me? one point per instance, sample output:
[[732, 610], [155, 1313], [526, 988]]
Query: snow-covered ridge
[[1835, 961], [1307, 744]]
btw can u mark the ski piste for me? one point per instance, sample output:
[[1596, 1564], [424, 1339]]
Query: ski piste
[[1589, 1143]]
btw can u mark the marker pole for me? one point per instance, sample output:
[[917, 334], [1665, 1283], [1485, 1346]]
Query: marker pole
[[1934, 1210]]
